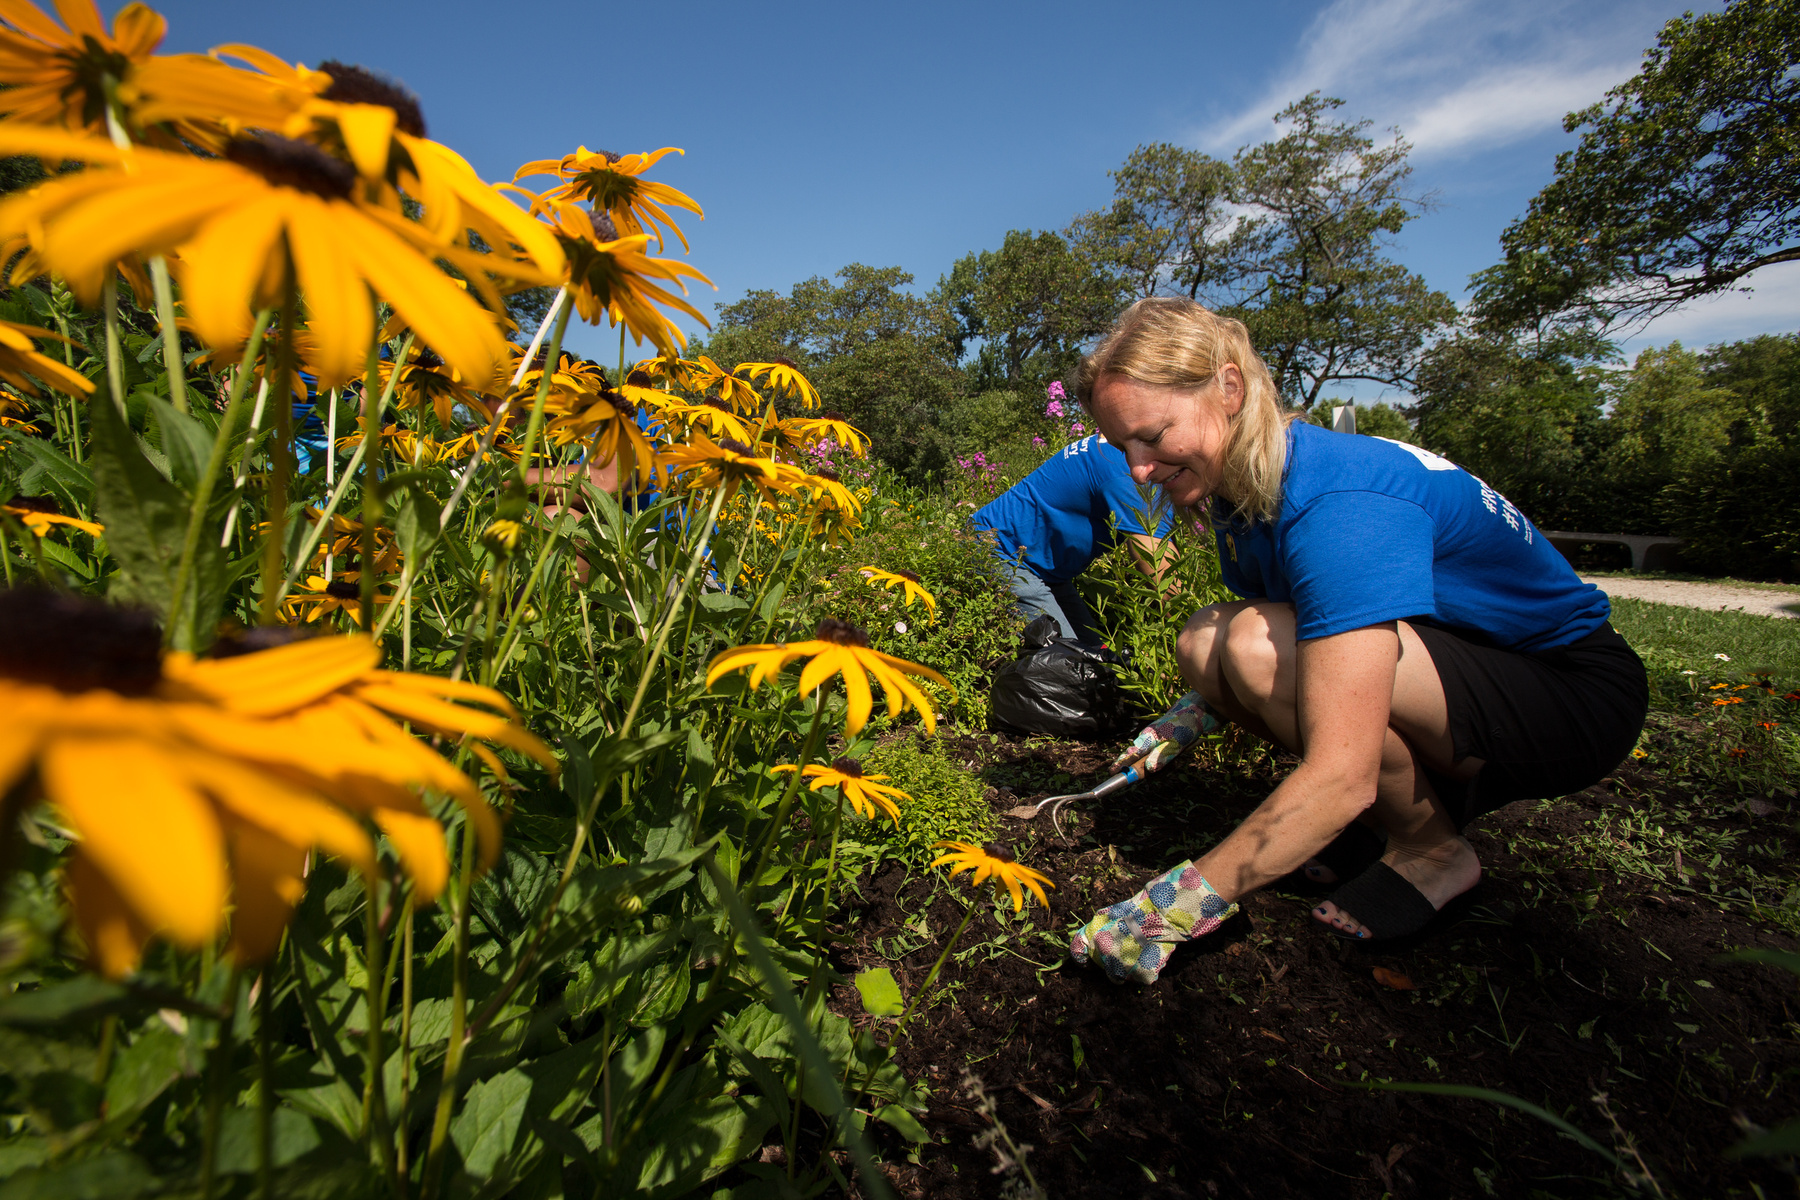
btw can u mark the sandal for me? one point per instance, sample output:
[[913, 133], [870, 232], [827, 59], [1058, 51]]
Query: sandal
[[1353, 851], [1384, 904]]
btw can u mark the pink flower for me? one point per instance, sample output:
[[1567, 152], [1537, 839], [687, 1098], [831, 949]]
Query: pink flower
[[1078, 427], [1037, 441], [1054, 409], [1055, 391]]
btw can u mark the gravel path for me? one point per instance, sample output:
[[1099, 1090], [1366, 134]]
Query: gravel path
[[1701, 595]]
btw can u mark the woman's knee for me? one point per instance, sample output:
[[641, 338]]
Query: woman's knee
[[1256, 640], [1197, 647]]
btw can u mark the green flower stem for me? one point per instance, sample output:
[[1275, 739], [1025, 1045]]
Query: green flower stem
[[280, 465], [787, 797], [171, 333], [459, 1013], [587, 813], [702, 537], [410, 575], [375, 1111], [406, 1016], [216, 1082], [215, 460], [265, 1087], [931, 976], [58, 292], [535, 425], [311, 542], [241, 474], [115, 357]]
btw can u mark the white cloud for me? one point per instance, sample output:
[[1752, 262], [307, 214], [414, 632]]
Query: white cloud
[[1454, 75], [1773, 306]]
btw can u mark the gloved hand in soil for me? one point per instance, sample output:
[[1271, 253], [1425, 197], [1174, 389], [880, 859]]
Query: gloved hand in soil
[[1167, 737], [1134, 938]]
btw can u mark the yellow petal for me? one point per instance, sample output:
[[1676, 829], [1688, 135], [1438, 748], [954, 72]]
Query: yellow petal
[[153, 836], [368, 131], [114, 934], [267, 883], [420, 841], [282, 679]]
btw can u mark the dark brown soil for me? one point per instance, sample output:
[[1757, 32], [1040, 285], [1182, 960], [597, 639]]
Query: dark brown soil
[[1234, 1075]]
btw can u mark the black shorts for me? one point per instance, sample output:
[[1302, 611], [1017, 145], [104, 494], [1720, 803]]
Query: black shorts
[[1546, 722]]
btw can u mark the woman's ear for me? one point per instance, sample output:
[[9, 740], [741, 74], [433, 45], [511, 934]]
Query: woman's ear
[[1230, 379]]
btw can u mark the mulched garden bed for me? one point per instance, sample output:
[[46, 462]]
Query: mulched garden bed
[[1230, 1076]]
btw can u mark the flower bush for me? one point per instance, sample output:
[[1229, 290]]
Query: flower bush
[[392, 799]]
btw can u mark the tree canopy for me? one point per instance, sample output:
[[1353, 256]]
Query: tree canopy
[[1686, 180]]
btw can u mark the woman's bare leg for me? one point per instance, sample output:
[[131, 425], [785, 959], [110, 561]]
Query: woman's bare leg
[[1242, 658]]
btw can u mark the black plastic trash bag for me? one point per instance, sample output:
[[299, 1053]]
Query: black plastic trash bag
[[1059, 687]]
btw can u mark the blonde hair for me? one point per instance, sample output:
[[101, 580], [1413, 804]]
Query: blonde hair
[[1175, 343]]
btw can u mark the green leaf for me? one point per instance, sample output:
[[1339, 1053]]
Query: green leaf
[[416, 522], [185, 442], [781, 998], [294, 1135], [145, 515], [82, 996], [111, 1175], [902, 1122], [1787, 960], [1783, 1140], [1501, 1098], [142, 1070], [880, 994], [723, 602], [45, 470], [765, 1078], [488, 1125], [771, 604]]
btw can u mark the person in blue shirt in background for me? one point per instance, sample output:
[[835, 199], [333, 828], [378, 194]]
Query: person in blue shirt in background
[[1404, 630], [1051, 525]]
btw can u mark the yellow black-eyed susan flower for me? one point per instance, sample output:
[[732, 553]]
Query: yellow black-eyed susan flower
[[865, 793], [837, 648], [994, 860]]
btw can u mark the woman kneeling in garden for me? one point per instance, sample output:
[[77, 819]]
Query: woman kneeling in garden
[[1405, 630]]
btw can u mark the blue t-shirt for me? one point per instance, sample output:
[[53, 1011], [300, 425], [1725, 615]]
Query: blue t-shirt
[[1373, 530], [1061, 515]]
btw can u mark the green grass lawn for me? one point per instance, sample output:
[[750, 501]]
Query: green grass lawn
[[1760, 585], [1670, 636]]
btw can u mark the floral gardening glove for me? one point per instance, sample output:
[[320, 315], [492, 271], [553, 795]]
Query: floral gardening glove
[[1168, 736], [1134, 938]]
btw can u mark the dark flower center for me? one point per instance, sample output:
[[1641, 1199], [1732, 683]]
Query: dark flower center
[[828, 473], [786, 362], [604, 227], [847, 766], [39, 504], [425, 358], [641, 379], [715, 402], [285, 162], [831, 415], [905, 574], [263, 637], [343, 589], [75, 644], [999, 850], [358, 85], [840, 633], [735, 446]]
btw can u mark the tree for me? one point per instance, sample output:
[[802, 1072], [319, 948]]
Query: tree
[[880, 355], [1684, 182], [1172, 229], [1525, 417], [1030, 304], [1322, 301]]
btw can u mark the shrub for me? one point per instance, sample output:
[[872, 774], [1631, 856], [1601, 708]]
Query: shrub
[[947, 800]]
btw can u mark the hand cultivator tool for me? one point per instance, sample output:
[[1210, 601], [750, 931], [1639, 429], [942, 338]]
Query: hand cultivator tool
[[1055, 804], [1158, 744]]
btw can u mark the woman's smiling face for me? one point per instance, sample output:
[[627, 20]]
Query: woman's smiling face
[[1172, 437]]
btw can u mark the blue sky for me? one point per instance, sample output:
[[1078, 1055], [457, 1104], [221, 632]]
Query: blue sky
[[911, 134]]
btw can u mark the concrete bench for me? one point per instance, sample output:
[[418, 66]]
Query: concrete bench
[[1648, 553]]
